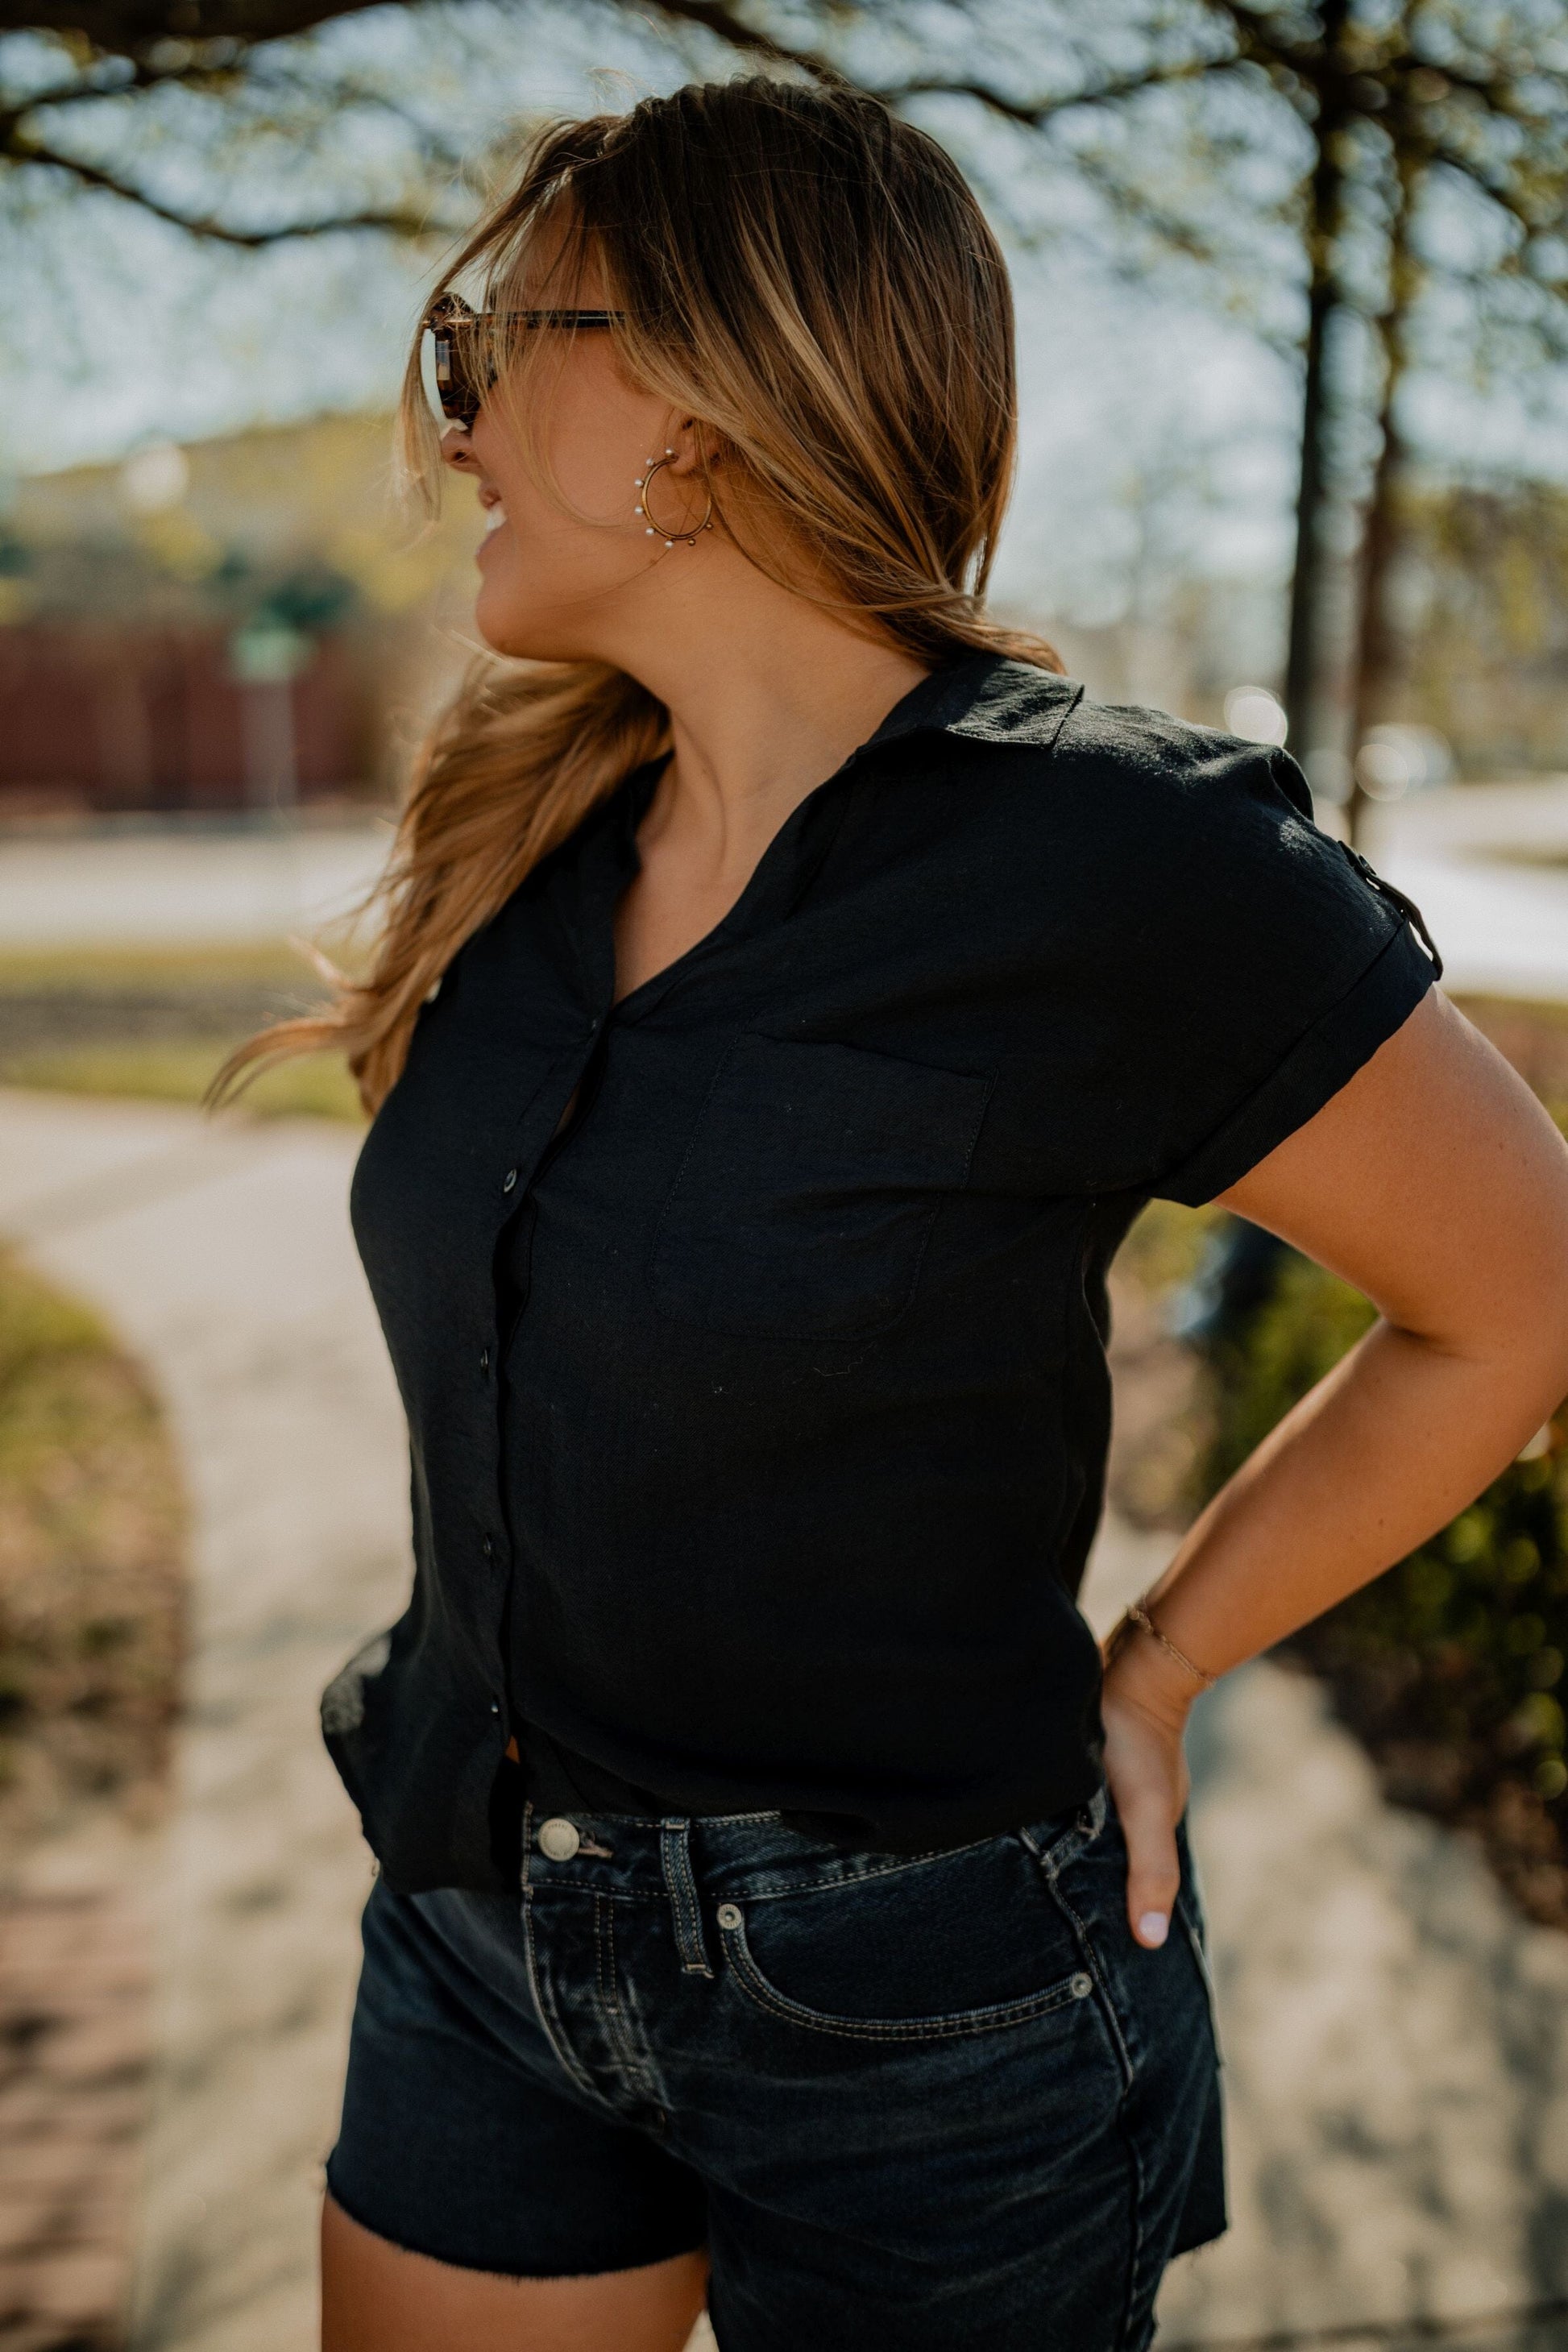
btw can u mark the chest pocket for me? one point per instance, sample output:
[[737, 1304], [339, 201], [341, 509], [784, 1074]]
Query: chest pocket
[[808, 1189]]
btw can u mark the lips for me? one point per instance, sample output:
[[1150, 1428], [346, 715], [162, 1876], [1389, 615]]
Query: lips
[[495, 520]]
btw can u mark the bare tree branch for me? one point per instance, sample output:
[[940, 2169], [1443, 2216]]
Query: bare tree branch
[[1031, 115], [135, 28], [19, 148]]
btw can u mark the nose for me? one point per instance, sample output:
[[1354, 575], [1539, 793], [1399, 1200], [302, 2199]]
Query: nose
[[456, 448]]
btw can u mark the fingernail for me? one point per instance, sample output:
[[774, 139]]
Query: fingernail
[[1153, 1927]]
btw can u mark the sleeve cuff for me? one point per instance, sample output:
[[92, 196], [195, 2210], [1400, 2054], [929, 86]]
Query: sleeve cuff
[[1314, 1070]]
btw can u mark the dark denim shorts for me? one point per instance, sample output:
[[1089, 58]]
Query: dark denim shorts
[[904, 2102]]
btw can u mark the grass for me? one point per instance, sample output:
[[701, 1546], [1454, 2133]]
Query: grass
[[65, 971], [1533, 1037], [316, 1086], [91, 1539], [157, 1023]]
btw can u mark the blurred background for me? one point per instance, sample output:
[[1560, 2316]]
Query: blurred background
[[1292, 290]]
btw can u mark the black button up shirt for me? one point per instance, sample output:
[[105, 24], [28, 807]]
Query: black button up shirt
[[766, 1477]]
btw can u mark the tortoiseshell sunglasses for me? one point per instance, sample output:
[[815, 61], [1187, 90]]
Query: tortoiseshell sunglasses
[[462, 376]]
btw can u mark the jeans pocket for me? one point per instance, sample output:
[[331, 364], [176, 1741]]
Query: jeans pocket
[[957, 1944]]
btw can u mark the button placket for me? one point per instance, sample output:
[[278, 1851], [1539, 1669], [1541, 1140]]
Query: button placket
[[490, 1361]]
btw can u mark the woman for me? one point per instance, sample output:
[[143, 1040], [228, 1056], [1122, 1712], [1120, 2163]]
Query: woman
[[791, 988]]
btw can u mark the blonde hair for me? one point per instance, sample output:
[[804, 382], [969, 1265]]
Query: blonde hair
[[811, 278]]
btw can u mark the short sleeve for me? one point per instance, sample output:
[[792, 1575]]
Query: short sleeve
[[1260, 962]]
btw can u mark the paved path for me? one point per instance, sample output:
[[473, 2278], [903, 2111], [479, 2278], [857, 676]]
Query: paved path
[[1397, 2042], [223, 1254], [166, 886], [74, 2065]]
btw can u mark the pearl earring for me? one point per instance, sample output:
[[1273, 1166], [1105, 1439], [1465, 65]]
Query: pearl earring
[[651, 465]]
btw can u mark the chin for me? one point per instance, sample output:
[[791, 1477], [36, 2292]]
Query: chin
[[505, 630]]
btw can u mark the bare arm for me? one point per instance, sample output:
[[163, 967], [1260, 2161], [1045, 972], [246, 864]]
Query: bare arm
[[1437, 1185]]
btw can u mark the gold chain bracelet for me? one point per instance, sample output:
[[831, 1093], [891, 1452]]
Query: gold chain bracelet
[[1136, 1614]]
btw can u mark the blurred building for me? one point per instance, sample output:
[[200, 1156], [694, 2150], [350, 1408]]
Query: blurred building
[[242, 623]]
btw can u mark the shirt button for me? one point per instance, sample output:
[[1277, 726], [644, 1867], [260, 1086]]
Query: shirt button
[[484, 1360], [488, 1548], [728, 1915], [509, 1181], [495, 1707], [558, 1839]]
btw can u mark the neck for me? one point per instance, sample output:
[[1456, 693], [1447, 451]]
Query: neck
[[767, 695]]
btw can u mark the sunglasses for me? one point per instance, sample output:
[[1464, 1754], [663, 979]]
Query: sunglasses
[[463, 370]]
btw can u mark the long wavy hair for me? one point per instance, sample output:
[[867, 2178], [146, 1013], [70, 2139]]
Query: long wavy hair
[[814, 281]]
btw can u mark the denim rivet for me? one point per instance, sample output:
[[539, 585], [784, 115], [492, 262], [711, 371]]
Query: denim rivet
[[1081, 1986], [729, 1915]]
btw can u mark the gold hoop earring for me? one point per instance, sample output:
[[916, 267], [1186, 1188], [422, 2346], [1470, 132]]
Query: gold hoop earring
[[687, 538]]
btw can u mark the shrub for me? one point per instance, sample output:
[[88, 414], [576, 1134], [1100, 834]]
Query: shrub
[[1450, 1667], [92, 1523]]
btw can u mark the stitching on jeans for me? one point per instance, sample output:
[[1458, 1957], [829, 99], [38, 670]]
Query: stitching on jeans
[[646, 1821], [586, 1884], [675, 1852], [548, 2022], [1052, 1865], [875, 2029], [764, 1890], [602, 1985], [610, 2009], [1091, 1962]]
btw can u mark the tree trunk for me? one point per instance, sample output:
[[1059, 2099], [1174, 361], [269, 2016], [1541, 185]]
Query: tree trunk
[[1307, 657], [1376, 649]]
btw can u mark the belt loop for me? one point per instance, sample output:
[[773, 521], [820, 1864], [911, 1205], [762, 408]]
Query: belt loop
[[675, 1852]]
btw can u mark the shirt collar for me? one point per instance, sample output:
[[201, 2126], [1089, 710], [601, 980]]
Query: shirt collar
[[984, 698]]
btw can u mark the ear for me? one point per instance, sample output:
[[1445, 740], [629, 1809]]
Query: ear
[[690, 444]]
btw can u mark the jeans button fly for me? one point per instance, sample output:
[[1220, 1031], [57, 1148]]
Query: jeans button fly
[[558, 1839]]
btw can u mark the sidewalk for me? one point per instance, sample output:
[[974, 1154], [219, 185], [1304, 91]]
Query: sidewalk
[[1397, 2042], [223, 1254]]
